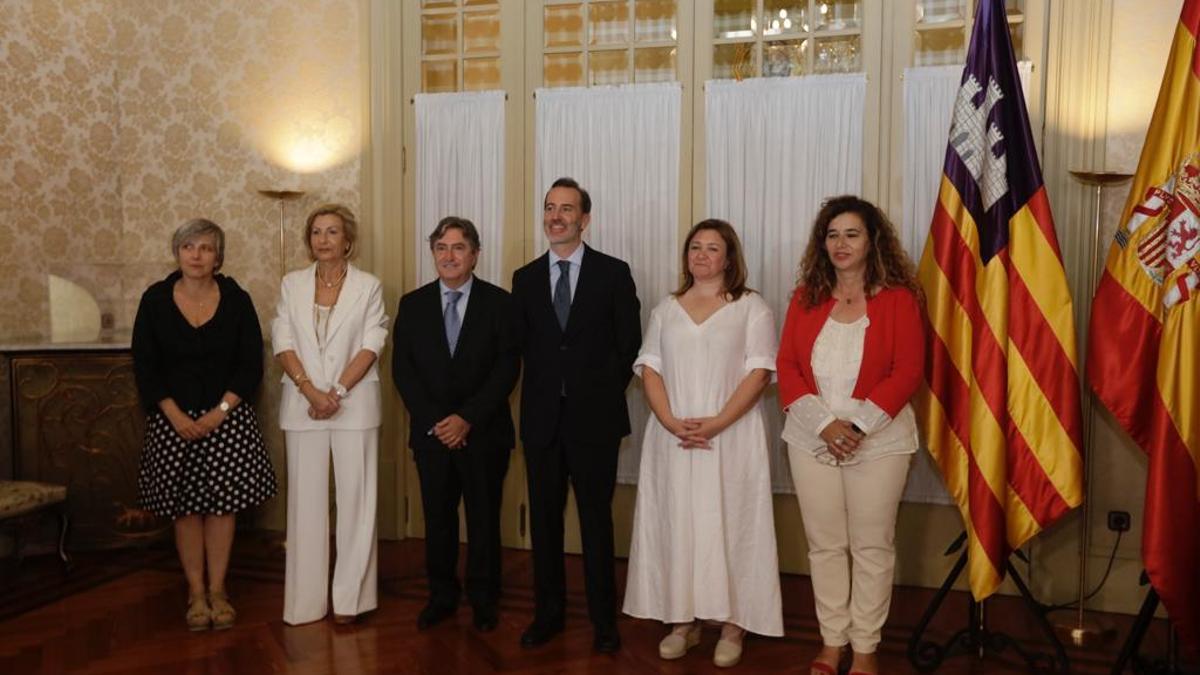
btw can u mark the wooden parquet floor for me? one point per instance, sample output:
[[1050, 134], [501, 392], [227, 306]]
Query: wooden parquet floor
[[134, 625]]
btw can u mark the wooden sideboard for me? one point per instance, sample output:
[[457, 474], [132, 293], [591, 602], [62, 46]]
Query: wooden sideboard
[[70, 415]]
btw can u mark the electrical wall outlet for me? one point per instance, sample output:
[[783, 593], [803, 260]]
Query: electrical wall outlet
[[1118, 521]]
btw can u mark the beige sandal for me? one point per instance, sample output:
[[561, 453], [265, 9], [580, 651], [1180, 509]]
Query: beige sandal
[[223, 613], [676, 644], [199, 614]]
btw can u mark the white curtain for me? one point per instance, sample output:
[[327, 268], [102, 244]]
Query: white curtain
[[776, 149], [929, 94], [460, 172], [622, 144]]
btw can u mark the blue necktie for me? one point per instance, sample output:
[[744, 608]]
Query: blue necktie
[[452, 320], [562, 293]]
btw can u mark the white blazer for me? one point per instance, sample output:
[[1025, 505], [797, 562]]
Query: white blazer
[[358, 322]]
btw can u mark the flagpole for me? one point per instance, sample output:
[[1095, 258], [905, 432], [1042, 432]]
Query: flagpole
[[1081, 633]]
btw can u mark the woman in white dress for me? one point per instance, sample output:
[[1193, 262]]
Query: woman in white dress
[[704, 533]]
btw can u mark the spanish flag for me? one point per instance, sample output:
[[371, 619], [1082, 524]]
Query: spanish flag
[[1144, 341], [1001, 411]]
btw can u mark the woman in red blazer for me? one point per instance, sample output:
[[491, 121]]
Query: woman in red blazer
[[852, 355]]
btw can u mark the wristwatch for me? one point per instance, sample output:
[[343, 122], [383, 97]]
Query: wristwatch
[[224, 406], [341, 390]]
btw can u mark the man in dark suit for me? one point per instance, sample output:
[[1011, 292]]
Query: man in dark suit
[[455, 362], [576, 318]]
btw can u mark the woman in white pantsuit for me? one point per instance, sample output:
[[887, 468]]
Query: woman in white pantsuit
[[851, 357], [328, 331]]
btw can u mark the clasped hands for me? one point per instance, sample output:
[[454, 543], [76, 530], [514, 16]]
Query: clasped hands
[[452, 431], [322, 404], [195, 429], [695, 433], [842, 439]]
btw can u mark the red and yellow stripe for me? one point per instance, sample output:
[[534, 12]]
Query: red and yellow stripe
[[1001, 412]]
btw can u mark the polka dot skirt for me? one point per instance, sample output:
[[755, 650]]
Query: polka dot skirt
[[224, 472]]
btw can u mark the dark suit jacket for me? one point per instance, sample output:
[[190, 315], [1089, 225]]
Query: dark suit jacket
[[474, 383], [593, 357]]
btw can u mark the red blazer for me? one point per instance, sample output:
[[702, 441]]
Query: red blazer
[[893, 362]]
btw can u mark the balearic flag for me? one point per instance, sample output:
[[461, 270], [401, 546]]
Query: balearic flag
[[1001, 411], [1144, 341]]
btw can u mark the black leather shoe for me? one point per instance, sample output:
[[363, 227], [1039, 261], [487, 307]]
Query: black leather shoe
[[541, 631], [485, 619], [432, 615], [607, 640]]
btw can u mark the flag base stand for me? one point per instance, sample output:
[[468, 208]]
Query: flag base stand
[[1131, 649], [976, 638]]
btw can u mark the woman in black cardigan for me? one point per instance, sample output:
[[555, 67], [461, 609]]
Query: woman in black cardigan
[[197, 357]]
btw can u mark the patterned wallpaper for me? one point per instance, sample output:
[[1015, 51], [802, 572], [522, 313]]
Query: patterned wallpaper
[[121, 119]]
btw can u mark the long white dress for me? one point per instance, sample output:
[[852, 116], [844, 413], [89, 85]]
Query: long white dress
[[703, 528]]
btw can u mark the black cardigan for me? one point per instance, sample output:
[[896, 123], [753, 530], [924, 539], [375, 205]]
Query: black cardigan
[[196, 366]]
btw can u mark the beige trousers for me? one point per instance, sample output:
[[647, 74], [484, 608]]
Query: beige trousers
[[849, 515], [355, 577]]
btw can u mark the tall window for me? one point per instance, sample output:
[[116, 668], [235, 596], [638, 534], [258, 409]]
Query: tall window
[[609, 42], [781, 38], [944, 26], [460, 45]]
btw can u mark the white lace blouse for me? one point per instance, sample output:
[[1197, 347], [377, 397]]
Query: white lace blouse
[[836, 359]]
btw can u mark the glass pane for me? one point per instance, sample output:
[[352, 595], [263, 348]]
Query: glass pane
[[734, 19], [655, 20], [563, 70], [608, 67], [838, 14], [608, 22], [563, 25], [481, 32], [785, 59], [439, 76], [438, 3], [733, 62], [940, 11], [439, 34], [654, 65], [784, 17], [939, 47], [1014, 7], [838, 55], [481, 74]]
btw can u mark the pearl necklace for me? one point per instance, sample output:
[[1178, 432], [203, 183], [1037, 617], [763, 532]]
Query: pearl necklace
[[335, 282]]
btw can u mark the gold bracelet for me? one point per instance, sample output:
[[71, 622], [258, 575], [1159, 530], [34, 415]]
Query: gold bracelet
[[300, 379]]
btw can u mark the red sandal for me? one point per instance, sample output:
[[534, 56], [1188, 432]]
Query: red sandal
[[821, 666]]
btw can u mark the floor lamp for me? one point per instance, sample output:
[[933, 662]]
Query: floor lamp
[[283, 196], [1081, 633]]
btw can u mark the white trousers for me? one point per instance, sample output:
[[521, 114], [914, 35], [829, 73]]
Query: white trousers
[[355, 577], [849, 515]]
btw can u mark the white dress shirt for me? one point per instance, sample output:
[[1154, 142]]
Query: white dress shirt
[[576, 260], [465, 289]]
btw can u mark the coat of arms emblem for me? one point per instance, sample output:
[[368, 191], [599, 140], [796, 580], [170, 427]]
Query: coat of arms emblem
[[1165, 227]]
